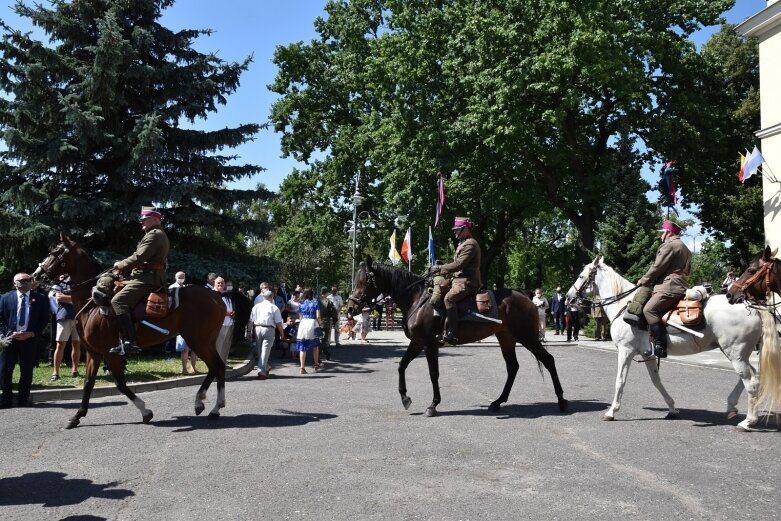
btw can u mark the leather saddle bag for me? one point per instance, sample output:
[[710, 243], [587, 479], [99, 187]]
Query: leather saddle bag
[[157, 304], [690, 312]]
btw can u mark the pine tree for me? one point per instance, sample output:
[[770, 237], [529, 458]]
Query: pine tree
[[98, 121]]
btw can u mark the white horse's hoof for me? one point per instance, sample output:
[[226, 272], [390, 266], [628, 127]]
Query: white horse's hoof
[[745, 426], [606, 418]]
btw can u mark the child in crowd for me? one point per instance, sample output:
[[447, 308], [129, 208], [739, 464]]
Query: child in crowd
[[289, 342]]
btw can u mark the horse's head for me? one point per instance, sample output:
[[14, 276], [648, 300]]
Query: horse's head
[[62, 259], [365, 288], [758, 280], [585, 282]]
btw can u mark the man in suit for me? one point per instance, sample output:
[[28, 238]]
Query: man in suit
[[24, 314], [557, 310]]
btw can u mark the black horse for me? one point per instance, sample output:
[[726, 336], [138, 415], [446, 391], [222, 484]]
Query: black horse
[[519, 318]]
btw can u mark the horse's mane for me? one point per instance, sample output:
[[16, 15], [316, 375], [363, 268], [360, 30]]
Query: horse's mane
[[397, 278], [618, 284]]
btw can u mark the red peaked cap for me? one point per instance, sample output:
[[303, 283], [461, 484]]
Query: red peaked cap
[[462, 222], [149, 211], [669, 226]]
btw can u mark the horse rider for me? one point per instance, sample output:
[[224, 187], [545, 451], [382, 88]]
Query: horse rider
[[146, 269], [669, 275], [466, 274]]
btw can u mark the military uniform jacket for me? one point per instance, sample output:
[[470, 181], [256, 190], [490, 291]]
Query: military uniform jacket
[[149, 262], [670, 271], [466, 265]]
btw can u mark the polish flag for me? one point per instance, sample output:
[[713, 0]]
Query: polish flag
[[406, 247]]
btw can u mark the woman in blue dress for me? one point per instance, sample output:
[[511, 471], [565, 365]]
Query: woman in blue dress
[[307, 339]]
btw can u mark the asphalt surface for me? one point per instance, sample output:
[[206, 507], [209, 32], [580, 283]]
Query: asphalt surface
[[338, 445]]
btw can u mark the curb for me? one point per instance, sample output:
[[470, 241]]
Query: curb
[[55, 395]]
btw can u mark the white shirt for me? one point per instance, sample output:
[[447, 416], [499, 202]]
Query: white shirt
[[265, 314], [175, 285], [541, 304], [293, 305], [22, 327], [228, 319], [336, 300]]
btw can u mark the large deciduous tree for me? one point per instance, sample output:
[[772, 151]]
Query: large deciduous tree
[[99, 120], [519, 102]]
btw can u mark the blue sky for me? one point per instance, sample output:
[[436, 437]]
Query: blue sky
[[244, 27]]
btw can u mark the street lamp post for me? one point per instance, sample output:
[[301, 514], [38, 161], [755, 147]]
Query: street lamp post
[[317, 284], [357, 200]]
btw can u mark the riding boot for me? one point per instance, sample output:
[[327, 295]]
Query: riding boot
[[451, 337], [128, 332], [659, 339]]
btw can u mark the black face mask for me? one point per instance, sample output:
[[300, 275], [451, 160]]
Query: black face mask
[[23, 287]]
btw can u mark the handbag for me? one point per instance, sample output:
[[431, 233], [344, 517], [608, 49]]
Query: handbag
[[318, 332]]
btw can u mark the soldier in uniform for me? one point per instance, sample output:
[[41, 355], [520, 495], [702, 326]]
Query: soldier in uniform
[[466, 274], [146, 269], [669, 274]]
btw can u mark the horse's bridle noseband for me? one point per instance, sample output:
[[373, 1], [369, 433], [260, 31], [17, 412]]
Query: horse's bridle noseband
[[764, 271], [592, 273], [59, 259]]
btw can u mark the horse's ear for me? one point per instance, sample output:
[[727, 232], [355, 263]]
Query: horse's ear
[[773, 253], [597, 260], [369, 261], [768, 253]]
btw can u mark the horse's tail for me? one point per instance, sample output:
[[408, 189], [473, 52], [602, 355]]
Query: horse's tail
[[769, 364]]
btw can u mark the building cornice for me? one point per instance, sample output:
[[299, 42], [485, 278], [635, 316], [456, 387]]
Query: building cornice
[[762, 22]]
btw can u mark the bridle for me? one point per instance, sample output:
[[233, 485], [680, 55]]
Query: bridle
[[589, 280], [47, 267], [370, 282], [765, 266]]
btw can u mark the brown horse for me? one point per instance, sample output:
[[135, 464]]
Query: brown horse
[[198, 319], [760, 284], [519, 323]]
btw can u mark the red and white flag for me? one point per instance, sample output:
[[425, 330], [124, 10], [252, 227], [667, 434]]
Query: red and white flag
[[406, 247]]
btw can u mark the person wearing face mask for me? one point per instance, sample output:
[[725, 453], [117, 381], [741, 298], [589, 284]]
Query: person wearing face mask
[[557, 311], [24, 314], [178, 345], [144, 272], [62, 307], [542, 304]]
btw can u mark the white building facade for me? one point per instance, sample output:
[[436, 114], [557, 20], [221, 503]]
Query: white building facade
[[766, 27]]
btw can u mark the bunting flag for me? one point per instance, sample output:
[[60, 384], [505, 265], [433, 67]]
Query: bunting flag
[[393, 254], [753, 162], [440, 198], [406, 248], [742, 166], [667, 186], [432, 254]]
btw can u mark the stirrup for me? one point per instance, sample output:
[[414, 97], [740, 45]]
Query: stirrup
[[125, 348]]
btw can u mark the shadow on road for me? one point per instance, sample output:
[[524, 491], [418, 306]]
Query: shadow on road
[[529, 410], [243, 421], [703, 418], [77, 404], [53, 489]]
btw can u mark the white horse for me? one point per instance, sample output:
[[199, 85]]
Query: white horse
[[735, 329]]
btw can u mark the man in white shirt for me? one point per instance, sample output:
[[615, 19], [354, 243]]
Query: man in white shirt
[[337, 301], [225, 337], [265, 317]]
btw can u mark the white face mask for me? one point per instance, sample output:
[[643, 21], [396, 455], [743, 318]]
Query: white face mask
[[180, 281], [228, 288]]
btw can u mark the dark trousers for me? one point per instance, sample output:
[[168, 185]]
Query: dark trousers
[[558, 322], [22, 352], [573, 324], [377, 325]]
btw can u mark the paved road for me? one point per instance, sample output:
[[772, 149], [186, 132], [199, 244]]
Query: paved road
[[338, 445]]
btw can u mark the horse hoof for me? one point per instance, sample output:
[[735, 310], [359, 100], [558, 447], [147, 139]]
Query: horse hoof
[[731, 414], [431, 412], [494, 407], [199, 409], [214, 416], [672, 415], [745, 426], [72, 424], [563, 405], [148, 417], [606, 418], [406, 402]]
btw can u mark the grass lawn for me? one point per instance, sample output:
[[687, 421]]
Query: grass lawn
[[147, 367]]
